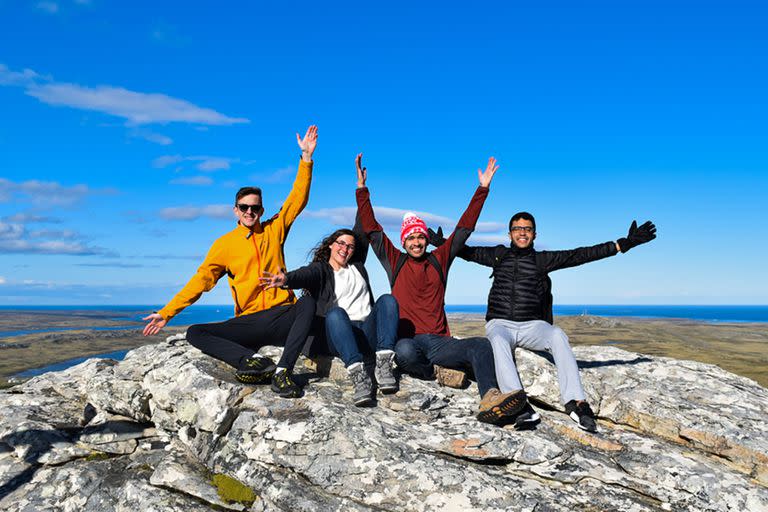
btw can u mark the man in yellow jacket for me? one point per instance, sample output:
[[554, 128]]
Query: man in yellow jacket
[[262, 317]]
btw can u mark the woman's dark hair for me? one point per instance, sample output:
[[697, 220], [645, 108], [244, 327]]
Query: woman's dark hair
[[322, 251]]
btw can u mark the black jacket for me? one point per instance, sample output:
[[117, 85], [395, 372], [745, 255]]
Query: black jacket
[[318, 278], [521, 290]]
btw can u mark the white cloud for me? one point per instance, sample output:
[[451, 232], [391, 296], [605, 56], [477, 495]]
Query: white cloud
[[166, 160], [2, 280], [214, 164], [18, 78], [215, 211], [279, 176], [11, 230], [14, 238], [157, 138], [207, 163], [50, 247], [49, 7], [28, 218], [392, 218], [47, 192], [137, 108], [193, 180], [66, 234]]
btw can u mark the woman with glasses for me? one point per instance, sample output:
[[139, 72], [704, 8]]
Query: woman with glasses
[[350, 320]]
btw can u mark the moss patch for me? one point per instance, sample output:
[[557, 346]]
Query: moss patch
[[232, 491], [96, 455]]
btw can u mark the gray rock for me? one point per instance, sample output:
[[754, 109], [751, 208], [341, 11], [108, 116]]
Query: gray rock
[[150, 433]]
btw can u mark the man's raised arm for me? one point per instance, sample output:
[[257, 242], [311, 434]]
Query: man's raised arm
[[556, 260], [382, 246], [299, 196]]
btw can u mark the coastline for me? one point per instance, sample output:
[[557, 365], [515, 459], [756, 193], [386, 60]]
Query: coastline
[[739, 347]]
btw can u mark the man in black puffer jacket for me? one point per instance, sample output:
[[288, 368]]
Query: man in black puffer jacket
[[520, 305]]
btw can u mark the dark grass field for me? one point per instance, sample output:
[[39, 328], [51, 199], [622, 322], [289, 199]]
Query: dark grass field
[[737, 347]]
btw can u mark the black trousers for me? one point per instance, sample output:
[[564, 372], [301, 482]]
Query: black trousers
[[238, 338]]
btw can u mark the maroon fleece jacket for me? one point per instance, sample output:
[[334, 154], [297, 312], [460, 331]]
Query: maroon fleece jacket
[[418, 288]]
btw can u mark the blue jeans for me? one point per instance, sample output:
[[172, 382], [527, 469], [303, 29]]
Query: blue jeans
[[377, 332], [416, 356]]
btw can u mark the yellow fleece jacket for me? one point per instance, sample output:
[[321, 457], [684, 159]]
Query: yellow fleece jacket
[[243, 255]]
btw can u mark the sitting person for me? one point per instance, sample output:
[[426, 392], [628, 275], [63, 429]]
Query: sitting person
[[418, 281], [520, 304], [262, 317], [348, 318]]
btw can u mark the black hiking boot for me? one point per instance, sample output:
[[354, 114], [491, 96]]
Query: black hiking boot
[[255, 370], [528, 418], [283, 385]]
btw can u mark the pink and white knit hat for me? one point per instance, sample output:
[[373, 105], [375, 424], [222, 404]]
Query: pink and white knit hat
[[411, 224]]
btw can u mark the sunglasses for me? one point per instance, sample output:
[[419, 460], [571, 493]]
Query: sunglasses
[[255, 208]]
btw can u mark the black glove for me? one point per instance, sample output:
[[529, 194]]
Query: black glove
[[436, 239], [637, 235]]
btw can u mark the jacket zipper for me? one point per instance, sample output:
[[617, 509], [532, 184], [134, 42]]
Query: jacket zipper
[[259, 272]]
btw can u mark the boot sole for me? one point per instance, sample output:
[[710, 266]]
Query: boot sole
[[575, 417], [504, 411], [255, 378]]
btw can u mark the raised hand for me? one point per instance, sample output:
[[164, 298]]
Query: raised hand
[[269, 280], [486, 177], [156, 323], [362, 172], [637, 235], [308, 143]]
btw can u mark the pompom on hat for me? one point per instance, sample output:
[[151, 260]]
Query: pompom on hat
[[411, 225]]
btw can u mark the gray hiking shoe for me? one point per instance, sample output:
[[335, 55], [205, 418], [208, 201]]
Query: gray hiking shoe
[[383, 373], [361, 382]]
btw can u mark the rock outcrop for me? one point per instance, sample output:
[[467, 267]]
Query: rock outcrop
[[170, 429]]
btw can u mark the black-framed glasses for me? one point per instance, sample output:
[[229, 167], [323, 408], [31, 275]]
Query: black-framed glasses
[[255, 208], [344, 244], [524, 229]]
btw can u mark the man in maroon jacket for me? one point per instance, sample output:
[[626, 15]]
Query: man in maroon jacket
[[418, 280]]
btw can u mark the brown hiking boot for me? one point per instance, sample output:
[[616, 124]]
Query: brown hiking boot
[[497, 407], [450, 377]]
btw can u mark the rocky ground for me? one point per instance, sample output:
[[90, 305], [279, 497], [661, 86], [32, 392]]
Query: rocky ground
[[168, 428]]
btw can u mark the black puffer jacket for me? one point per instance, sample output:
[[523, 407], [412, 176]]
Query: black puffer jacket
[[521, 286]]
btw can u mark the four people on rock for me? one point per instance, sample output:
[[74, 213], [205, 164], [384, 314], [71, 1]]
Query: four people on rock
[[409, 326]]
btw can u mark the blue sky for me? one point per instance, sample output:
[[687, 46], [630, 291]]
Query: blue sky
[[127, 128]]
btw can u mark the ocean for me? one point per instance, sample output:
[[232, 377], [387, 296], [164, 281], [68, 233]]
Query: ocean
[[204, 314]]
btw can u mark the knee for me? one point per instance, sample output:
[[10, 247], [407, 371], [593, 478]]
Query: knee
[[406, 352], [559, 337], [195, 334], [388, 302], [306, 304], [336, 316], [481, 346]]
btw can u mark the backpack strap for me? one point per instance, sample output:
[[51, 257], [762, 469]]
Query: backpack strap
[[431, 258]]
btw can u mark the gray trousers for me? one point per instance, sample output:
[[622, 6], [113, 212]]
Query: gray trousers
[[538, 336]]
